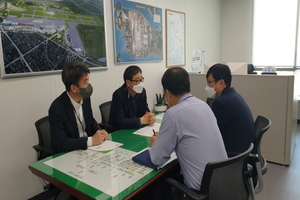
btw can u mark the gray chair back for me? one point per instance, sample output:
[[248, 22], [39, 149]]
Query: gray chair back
[[227, 179]]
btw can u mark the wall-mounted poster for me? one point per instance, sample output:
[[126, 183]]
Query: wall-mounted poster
[[40, 37], [175, 26], [138, 32]]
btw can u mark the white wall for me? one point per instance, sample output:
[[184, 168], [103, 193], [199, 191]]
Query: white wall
[[236, 41], [24, 100], [203, 29]]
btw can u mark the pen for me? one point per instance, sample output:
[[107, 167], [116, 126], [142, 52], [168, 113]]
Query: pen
[[153, 131]]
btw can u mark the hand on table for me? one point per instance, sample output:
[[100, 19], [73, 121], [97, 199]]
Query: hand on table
[[148, 118], [99, 137]]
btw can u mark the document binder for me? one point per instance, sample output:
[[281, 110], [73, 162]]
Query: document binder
[[143, 157]]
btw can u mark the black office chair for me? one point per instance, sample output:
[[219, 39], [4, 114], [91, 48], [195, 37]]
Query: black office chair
[[226, 179], [43, 150], [262, 124], [251, 69], [210, 101], [105, 111]]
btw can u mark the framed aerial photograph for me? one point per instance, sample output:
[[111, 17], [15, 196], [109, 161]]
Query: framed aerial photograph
[[137, 32], [39, 37], [175, 34]]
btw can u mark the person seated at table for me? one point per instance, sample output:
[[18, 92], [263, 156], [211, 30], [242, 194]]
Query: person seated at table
[[72, 124], [189, 128], [233, 115], [129, 107]]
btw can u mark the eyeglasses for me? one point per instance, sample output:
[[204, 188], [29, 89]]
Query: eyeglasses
[[138, 81], [209, 82]]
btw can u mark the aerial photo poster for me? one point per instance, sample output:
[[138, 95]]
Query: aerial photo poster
[[40, 37], [138, 32]]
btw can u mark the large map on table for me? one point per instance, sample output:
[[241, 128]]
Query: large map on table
[[138, 32], [111, 173], [41, 36]]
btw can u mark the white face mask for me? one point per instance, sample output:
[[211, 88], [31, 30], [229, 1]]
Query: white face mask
[[138, 88], [210, 91]]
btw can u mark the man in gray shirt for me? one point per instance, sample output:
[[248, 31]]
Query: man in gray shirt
[[189, 128]]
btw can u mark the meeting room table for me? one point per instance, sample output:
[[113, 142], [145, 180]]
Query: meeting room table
[[90, 174]]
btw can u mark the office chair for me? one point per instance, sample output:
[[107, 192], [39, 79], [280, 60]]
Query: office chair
[[226, 179], [210, 101], [251, 69], [261, 124], [43, 150], [105, 111]]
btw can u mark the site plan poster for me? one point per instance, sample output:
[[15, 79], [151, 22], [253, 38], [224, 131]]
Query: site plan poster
[[41, 36], [138, 32]]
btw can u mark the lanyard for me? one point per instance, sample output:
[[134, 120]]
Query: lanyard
[[186, 98], [80, 121]]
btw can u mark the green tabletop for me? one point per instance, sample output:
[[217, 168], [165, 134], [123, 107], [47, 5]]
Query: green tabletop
[[130, 142]]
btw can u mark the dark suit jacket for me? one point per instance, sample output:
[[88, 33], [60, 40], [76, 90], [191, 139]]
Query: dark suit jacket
[[125, 111], [63, 125], [234, 119]]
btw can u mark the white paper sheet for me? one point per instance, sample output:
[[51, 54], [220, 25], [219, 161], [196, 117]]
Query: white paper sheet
[[148, 130], [106, 146]]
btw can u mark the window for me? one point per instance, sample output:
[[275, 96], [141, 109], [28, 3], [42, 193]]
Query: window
[[274, 33]]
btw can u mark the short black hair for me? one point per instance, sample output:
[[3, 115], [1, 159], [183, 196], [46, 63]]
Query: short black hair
[[130, 72], [220, 71], [72, 72], [176, 80]]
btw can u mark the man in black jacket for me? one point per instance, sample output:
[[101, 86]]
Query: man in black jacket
[[233, 115], [129, 107], [71, 119]]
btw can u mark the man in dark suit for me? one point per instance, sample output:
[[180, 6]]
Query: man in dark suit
[[233, 115], [129, 107], [71, 119]]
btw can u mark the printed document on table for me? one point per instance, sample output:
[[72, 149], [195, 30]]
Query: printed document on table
[[115, 169], [106, 146], [148, 130]]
